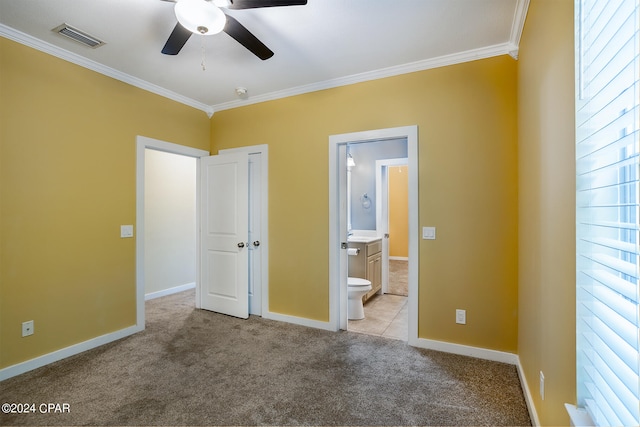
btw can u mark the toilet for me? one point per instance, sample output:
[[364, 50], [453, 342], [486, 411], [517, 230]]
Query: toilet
[[356, 289]]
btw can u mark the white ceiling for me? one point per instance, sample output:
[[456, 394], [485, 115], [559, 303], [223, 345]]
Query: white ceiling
[[324, 44]]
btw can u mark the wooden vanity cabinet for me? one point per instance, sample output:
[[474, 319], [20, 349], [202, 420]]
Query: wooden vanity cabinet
[[367, 264]]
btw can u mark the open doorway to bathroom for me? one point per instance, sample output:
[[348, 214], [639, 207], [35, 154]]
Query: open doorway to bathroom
[[377, 217], [339, 230]]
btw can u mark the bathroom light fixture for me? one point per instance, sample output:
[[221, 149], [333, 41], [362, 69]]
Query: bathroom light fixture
[[200, 16], [350, 162]]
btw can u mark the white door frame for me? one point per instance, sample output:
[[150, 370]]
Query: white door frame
[[337, 216], [382, 211], [142, 143]]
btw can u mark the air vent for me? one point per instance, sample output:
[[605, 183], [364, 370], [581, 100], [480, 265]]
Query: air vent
[[79, 36]]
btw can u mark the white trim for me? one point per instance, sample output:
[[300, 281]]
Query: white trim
[[337, 284], [399, 258], [169, 291], [38, 362], [466, 350], [509, 48], [263, 149], [578, 416], [27, 40], [519, 18], [528, 398], [492, 355], [302, 321], [142, 143], [426, 64]]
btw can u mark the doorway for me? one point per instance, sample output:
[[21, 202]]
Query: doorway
[[397, 209], [170, 223], [338, 228], [142, 145], [379, 169], [258, 156], [392, 216]]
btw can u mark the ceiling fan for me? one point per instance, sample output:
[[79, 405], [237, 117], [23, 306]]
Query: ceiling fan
[[207, 17]]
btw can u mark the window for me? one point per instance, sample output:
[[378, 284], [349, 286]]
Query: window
[[607, 94]]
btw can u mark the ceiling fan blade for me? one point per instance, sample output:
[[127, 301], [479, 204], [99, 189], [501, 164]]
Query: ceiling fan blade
[[176, 40], [251, 4], [246, 38]]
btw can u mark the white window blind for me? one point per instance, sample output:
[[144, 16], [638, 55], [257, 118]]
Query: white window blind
[[607, 97]]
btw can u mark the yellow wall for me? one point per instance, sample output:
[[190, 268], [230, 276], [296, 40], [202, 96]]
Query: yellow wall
[[466, 115], [547, 207], [398, 211], [67, 183]]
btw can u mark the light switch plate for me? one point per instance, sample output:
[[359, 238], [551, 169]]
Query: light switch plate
[[126, 231], [429, 233]]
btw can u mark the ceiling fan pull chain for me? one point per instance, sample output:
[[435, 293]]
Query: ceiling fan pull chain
[[204, 68]]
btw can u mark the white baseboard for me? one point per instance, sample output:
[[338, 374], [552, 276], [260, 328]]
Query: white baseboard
[[298, 321], [169, 291], [29, 365], [483, 353], [465, 350], [398, 258], [528, 398]]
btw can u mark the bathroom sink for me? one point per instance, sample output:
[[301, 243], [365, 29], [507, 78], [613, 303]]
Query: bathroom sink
[[362, 239]]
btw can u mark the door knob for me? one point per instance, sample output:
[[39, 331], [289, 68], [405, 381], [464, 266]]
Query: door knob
[[256, 243], [241, 245]]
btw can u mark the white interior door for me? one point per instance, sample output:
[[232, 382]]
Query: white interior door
[[224, 236]]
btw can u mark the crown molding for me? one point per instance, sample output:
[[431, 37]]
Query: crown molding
[[509, 48], [519, 17], [441, 61], [30, 41]]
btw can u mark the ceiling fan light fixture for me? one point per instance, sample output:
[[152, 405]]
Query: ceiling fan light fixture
[[200, 16], [222, 3]]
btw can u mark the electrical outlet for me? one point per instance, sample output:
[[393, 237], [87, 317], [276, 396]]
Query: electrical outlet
[[27, 328], [461, 317], [541, 385]]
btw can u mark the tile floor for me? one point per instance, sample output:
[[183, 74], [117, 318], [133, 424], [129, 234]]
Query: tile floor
[[384, 315]]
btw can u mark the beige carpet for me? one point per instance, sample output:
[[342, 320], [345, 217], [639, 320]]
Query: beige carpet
[[193, 367], [398, 277]]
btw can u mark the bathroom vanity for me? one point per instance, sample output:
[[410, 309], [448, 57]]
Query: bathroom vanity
[[368, 263]]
